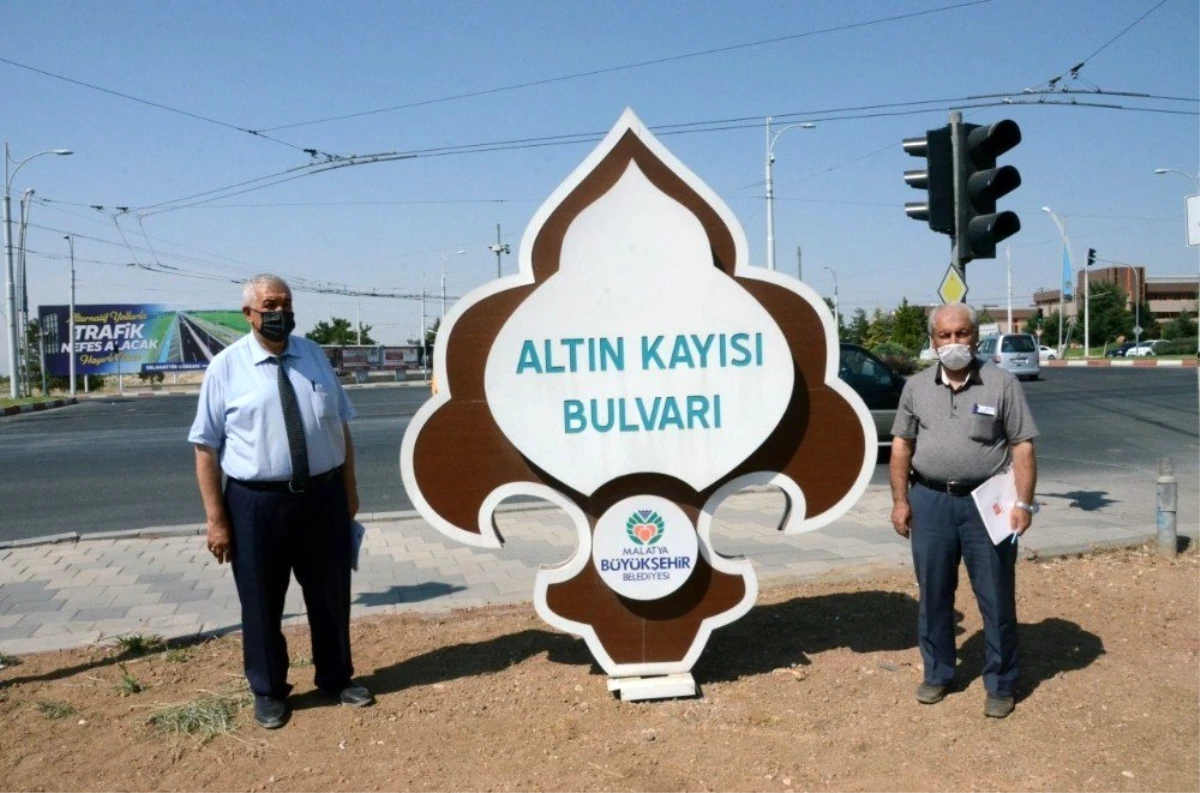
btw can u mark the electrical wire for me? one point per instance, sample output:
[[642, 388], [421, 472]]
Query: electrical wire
[[628, 66], [160, 106]]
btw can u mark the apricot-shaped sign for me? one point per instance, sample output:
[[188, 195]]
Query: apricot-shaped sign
[[636, 372]]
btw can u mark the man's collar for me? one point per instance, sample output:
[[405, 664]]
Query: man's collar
[[259, 353], [974, 377]]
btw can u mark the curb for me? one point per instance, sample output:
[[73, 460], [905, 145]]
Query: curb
[[31, 407], [1139, 363]]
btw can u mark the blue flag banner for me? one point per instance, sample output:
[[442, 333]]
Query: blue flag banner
[[1067, 287]]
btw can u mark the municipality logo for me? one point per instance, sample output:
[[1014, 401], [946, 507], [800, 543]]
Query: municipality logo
[[645, 527]]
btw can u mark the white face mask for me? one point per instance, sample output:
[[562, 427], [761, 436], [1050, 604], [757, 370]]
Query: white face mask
[[955, 356]]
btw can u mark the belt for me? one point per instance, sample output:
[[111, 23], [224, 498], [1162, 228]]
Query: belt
[[953, 487], [285, 486]]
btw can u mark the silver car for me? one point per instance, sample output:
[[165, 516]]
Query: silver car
[[1016, 352]]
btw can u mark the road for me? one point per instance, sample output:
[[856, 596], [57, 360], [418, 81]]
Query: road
[[115, 463]]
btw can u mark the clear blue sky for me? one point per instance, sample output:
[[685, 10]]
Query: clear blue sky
[[839, 187]]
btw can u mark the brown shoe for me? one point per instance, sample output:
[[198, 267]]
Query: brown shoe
[[930, 693], [997, 707]]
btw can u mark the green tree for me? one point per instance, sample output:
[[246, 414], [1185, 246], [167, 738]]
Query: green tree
[[860, 327], [985, 317], [339, 331], [1182, 327], [879, 331], [909, 326], [1108, 318]]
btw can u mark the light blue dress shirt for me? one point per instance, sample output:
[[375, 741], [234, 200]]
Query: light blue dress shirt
[[240, 414]]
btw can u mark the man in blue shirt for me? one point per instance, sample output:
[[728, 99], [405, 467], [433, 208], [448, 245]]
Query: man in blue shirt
[[273, 418]]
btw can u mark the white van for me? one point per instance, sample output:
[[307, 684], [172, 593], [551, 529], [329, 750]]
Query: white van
[[1016, 352]]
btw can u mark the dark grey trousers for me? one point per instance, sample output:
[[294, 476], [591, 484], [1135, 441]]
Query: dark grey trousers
[[945, 530]]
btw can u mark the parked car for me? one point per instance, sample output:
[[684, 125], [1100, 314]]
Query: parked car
[[1146, 348], [1014, 352], [927, 353], [877, 383], [1120, 351], [1047, 353]]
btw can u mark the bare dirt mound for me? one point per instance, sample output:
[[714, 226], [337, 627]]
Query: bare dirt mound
[[812, 690]]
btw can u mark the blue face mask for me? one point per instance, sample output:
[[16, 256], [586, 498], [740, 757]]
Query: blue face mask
[[276, 325]]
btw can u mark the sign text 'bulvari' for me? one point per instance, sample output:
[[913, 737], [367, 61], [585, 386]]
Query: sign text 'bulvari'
[[571, 355]]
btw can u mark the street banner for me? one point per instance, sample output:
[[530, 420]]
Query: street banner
[[136, 338], [636, 372]]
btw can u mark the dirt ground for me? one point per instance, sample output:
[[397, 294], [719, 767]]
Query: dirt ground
[[813, 690]]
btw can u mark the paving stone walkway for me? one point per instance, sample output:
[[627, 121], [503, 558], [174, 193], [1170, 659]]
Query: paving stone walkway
[[162, 581]]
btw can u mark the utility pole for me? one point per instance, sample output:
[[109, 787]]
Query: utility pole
[[799, 264], [499, 248], [71, 320], [1008, 255], [424, 335]]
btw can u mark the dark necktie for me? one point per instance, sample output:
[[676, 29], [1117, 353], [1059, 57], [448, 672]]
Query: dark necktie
[[295, 428]]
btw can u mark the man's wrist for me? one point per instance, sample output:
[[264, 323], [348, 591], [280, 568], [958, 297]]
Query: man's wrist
[[1029, 506]]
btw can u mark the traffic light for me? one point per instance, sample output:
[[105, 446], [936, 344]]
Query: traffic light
[[1041, 314], [979, 226], [937, 178], [1091, 256]]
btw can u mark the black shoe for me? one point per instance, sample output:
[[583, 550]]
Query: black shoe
[[354, 695], [930, 693], [998, 707], [270, 713]]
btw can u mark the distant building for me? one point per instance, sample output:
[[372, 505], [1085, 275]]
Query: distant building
[[1166, 295]]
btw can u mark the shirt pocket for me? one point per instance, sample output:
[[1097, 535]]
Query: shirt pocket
[[983, 428], [325, 403]]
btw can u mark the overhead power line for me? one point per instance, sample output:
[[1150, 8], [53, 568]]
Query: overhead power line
[[160, 106], [628, 66]]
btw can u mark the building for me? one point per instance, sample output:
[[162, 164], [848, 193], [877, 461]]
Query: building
[[1166, 295]]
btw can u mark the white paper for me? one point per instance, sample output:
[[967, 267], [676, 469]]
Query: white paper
[[357, 532], [994, 499]]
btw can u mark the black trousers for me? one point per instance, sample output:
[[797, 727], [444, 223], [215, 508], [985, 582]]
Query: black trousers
[[274, 535], [945, 530]]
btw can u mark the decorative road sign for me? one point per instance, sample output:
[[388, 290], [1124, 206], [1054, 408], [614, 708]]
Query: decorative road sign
[[636, 372], [953, 288]]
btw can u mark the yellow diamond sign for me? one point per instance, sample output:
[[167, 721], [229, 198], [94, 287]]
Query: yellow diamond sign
[[953, 288]]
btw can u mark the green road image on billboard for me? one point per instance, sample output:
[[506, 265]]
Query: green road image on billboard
[[136, 338]]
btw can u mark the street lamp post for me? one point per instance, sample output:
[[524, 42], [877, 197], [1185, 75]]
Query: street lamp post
[[837, 315], [499, 248], [769, 168], [71, 317], [445, 258], [1137, 300], [1195, 180], [1061, 223], [9, 291]]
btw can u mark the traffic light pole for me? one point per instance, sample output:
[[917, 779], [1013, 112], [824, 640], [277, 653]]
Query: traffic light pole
[[960, 194]]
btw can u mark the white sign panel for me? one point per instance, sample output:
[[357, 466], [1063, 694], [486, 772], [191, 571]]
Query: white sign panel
[[668, 366]]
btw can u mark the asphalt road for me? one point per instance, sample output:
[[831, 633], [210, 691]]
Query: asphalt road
[[112, 464]]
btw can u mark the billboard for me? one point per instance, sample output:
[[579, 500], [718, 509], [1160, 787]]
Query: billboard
[[136, 337]]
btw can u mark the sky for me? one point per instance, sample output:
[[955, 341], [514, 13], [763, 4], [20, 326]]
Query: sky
[[163, 101]]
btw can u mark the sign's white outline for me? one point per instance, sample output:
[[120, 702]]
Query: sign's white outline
[[792, 521]]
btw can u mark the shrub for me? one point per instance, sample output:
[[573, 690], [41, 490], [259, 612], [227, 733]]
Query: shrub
[[897, 356], [1178, 347]]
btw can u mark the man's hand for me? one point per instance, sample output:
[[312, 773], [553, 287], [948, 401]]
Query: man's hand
[[220, 540], [1019, 520], [898, 470], [902, 518]]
